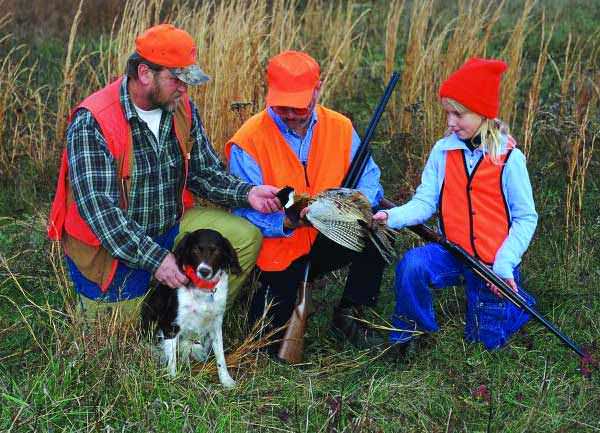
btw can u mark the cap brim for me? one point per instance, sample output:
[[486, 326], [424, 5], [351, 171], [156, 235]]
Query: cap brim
[[191, 75], [278, 98]]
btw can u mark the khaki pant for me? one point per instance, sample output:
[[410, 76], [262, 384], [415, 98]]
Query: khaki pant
[[245, 238], [92, 309]]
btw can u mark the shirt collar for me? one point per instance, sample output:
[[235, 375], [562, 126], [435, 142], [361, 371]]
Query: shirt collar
[[284, 128], [472, 143], [126, 101], [452, 142]]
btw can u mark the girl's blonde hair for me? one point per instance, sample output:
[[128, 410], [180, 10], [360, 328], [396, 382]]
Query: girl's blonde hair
[[490, 131]]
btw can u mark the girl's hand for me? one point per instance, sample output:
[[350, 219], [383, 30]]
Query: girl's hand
[[510, 281], [381, 217]]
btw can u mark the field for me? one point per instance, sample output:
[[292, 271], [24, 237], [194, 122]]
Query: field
[[59, 375]]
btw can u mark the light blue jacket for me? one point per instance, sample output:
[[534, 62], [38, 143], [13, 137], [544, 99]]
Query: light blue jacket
[[515, 185], [245, 167]]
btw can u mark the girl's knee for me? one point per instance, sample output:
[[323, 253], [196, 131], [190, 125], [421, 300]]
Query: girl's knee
[[413, 262]]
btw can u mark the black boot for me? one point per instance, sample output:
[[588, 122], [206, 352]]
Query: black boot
[[349, 323]]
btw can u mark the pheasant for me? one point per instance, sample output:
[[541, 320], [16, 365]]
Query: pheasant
[[343, 215]]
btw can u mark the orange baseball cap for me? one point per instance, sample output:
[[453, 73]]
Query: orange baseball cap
[[291, 78], [173, 48]]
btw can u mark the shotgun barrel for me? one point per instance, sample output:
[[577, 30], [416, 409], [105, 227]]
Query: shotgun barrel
[[363, 153]]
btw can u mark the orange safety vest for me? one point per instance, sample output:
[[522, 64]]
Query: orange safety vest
[[473, 209], [65, 222], [328, 161]]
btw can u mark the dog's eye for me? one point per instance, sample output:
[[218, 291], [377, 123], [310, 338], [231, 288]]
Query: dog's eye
[[205, 251]]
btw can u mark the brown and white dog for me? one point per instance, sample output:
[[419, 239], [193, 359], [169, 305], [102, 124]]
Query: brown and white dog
[[188, 319]]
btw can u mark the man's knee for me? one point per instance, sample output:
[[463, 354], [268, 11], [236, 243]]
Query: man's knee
[[243, 235], [250, 236]]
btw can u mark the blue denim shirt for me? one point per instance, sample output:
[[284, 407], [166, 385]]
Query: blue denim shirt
[[245, 167], [515, 185]]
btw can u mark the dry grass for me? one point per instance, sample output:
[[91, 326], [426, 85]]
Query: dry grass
[[236, 38], [533, 97], [513, 55], [341, 50], [65, 93], [391, 44], [575, 124]]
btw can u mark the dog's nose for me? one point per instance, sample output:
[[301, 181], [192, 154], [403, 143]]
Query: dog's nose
[[205, 272]]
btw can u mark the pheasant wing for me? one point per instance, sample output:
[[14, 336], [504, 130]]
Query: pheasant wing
[[335, 213]]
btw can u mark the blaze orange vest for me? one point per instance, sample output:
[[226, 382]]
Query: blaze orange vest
[[328, 161], [65, 223], [474, 212]]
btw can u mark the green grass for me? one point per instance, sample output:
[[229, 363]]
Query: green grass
[[57, 377]]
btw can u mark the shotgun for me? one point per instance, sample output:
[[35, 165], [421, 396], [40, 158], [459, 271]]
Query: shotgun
[[489, 276], [292, 345]]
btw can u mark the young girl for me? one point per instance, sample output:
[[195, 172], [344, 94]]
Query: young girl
[[477, 182]]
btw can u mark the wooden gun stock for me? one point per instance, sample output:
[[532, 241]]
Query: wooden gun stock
[[292, 346]]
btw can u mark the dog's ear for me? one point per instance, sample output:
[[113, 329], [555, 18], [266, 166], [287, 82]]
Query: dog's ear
[[231, 258], [183, 249]]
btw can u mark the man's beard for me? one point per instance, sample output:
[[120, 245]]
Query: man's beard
[[156, 101], [297, 125]]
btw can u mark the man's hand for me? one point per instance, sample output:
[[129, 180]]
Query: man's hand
[[510, 281], [262, 198], [381, 217], [168, 273]]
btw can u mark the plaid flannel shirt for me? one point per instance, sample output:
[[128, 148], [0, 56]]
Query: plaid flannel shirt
[[156, 180]]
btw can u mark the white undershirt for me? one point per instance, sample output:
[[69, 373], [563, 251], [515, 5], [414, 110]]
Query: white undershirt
[[152, 119]]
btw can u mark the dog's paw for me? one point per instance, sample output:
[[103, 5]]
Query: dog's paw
[[227, 382], [172, 370]]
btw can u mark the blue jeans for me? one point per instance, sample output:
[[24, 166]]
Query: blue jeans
[[490, 319], [128, 283]]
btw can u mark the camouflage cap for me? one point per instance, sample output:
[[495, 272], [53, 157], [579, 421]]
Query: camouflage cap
[[191, 75]]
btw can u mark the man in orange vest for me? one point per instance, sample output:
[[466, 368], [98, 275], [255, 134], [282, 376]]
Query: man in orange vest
[[297, 142], [135, 151]]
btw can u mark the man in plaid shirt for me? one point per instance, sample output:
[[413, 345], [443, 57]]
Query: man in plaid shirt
[[127, 161]]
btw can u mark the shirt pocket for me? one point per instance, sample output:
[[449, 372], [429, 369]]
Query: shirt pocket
[[173, 167]]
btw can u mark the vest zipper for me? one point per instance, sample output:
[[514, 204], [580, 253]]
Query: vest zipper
[[305, 175]]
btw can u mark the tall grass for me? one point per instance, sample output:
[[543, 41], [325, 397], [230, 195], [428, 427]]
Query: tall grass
[[65, 93], [25, 122], [533, 96], [391, 44], [513, 55], [342, 50], [570, 124]]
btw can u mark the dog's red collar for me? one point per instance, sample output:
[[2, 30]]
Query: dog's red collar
[[197, 281]]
